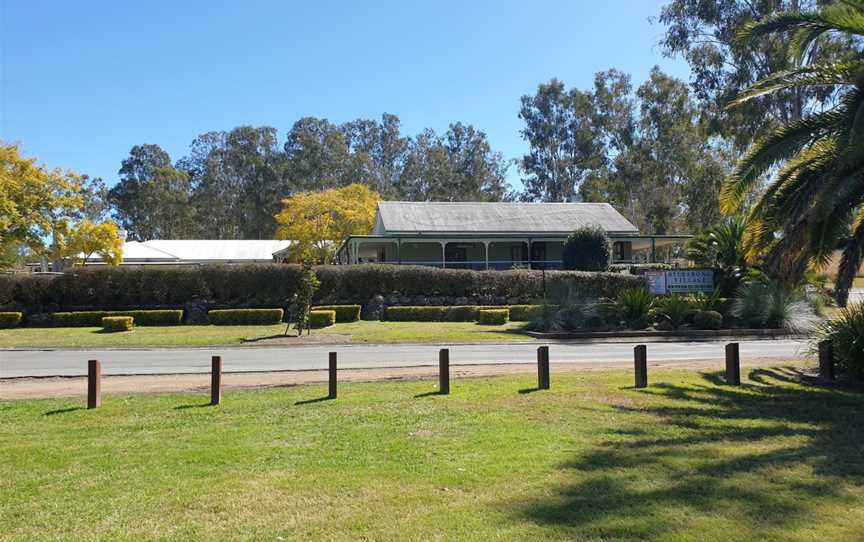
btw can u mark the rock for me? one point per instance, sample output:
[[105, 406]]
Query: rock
[[664, 325], [195, 312], [374, 308]]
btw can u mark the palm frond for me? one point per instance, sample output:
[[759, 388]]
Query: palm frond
[[837, 74], [782, 144], [845, 17], [850, 262]]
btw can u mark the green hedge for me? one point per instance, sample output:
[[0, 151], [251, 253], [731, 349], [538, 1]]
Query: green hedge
[[344, 313], [10, 319], [461, 313], [118, 323], [524, 313], [263, 285], [322, 318], [94, 318], [493, 317], [232, 317], [414, 314]]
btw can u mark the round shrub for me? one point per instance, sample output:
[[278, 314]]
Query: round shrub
[[493, 317], [587, 249], [10, 319], [118, 323], [322, 318], [707, 320]]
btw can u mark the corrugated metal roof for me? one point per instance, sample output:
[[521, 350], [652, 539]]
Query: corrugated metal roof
[[198, 250], [470, 217]]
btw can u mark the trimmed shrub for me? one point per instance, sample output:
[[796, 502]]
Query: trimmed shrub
[[118, 323], [587, 249], [707, 320], [322, 318], [94, 318], [493, 317], [414, 314], [234, 317], [638, 268], [460, 313], [524, 313], [272, 285], [344, 313], [10, 319]]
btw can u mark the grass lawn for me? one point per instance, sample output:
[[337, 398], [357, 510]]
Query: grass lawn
[[591, 459], [362, 332]]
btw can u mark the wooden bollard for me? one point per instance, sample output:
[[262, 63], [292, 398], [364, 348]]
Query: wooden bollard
[[332, 376], [444, 371], [826, 361], [215, 380], [94, 383], [733, 365], [640, 365], [543, 368]]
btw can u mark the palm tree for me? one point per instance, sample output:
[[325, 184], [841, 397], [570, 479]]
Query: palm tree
[[816, 195], [721, 247]]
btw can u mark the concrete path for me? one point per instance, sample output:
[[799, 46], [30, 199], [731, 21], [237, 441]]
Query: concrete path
[[181, 361]]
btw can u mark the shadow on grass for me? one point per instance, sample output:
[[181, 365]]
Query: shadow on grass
[[525, 391], [63, 410], [316, 400], [705, 450], [428, 394], [196, 405]]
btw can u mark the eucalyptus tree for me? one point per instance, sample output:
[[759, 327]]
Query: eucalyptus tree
[[816, 163]]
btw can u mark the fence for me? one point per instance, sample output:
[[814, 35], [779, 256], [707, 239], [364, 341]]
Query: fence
[[640, 372]]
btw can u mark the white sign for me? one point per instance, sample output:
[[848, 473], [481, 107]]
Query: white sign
[[689, 280], [656, 282]]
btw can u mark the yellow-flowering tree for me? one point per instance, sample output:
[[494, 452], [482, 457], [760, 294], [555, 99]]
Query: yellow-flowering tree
[[318, 221], [41, 209], [88, 238], [34, 201]]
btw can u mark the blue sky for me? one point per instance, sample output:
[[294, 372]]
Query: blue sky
[[82, 82]]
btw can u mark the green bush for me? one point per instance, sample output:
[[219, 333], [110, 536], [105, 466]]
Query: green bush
[[118, 323], [631, 308], [587, 249], [524, 313], [846, 333], [673, 310], [414, 314], [94, 318], [344, 313], [493, 317], [10, 319], [707, 320], [322, 318], [767, 304], [233, 317]]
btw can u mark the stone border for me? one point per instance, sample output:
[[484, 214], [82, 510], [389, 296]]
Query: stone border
[[674, 334]]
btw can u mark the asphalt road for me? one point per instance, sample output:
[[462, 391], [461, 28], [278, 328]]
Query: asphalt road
[[177, 361]]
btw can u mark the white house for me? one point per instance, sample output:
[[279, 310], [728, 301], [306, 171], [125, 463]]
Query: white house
[[188, 252], [470, 235]]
